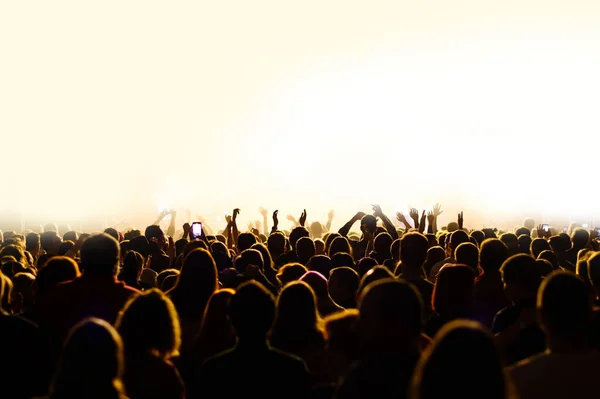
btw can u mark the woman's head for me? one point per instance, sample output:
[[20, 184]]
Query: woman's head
[[290, 272], [198, 275], [453, 291], [91, 364], [56, 270], [339, 244], [149, 324], [297, 306], [216, 319], [461, 362], [133, 263]]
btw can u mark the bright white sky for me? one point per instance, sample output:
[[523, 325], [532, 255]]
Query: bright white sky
[[124, 107]]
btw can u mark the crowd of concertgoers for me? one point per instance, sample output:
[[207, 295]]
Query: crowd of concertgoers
[[393, 310]]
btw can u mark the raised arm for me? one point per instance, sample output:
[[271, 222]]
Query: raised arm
[[171, 229], [346, 228], [264, 214], [389, 226], [422, 223], [275, 222], [402, 219], [329, 220]]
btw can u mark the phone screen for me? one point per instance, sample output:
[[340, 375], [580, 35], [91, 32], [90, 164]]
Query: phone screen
[[546, 227], [196, 230]]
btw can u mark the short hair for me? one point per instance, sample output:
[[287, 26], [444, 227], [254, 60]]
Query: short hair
[[317, 282], [457, 238], [112, 232], [297, 233], [153, 231], [249, 257], [370, 221], [290, 272], [382, 243], [390, 304], [522, 270], [305, 247], [468, 254], [510, 239], [276, 243], [364, 265], [492, 255], [339, 245], [537, 246], [580, 237], [564, 303], [320, 263], [523, 231], [149, 323], [479, 236], [32, 240], [413, 249], [56, 270], [100, 255], [342, 259], [245, 241], [252, 311], [453, 290]]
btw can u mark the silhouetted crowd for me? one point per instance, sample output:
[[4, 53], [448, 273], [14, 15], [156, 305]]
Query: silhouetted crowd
[[388, 310]]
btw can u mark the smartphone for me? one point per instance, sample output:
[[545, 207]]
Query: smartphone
[[196, 230], [546, 227]]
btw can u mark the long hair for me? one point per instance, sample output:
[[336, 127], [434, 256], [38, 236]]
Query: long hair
[[216, 333], [91, 364]]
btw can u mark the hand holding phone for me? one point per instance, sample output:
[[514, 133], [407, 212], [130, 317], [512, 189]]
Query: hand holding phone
[[196, 230]]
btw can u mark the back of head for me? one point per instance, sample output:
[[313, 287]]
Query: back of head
[[580, 238], [523, 231], [343, 284], [593, 264], [247, 258], [382, 245], [524, 243], [297, 233], [550, 257], [276, 243], [339, 245], [341, 330], [511, 240], [457, 238], [565, 305], [290, 272], [32, 241], [58, 269], [320, 263], [91, 364], [413, 249], [317, 282], [538, 245], [305, 249], [364, 265], [374, 274], [468, 254], [390, 309], [100, 255], [252, 311], [149, 323], [50, 241], [453, 291], [112, 232], [197, 279], [341, 259], [370, 222], [329, 239], [559, 244], [492, 255], [529, 223], [479, 236], [395, 249], [316, 229], [246, 240], [462, 362], [265, 255], [521, 271], [153, 232], [296, 309]]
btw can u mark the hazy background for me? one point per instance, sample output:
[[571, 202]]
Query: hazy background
[[114, 110]]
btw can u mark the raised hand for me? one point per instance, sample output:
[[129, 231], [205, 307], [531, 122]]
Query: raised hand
[[186, 230], [402, 219], [430, 217], [171, 249], [302, 219], [359, 215], [414, 215], [330, 215], [377, 212], [541, 232], [263, 211], [228, 219], [236, 212], [460, 220], [275, 221], [291, 218], [437, 210]]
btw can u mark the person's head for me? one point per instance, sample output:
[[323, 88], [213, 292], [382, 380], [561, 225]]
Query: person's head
[[216, 323], [342, 259], [457, 238], [16, 251], [537, 246], [112, 232], [523, 231], [290, 272], [32, 243], [370, 223], [479, 236], [319, 246], [565, 309], [249, 257], [551, 257], [155, 236], [453, 291], [297, 233], [65, 247], [524, 244], [544, 267], [413, 250], [452, 227], [375, 274], [341, 330], [180, 245], [196, 283], [133, 263], [390, 315], [56, 270], [245, 241], [521, 277], [529, 224], [317, 282], [511, 241], [296, 310], [559, 244], [342, 286], [364, 265], [492, 254], [593, 267], [266, 256], [395, 250], [320, 263], [73, 236], [252, 311], [149, 323], [100, 254], [91, 364], [305, 249], [339, 245], [22, 296], [316, 230], [468, 254], [580, 238], [162, 276], [481, 371], [139, 244], [276, 244], [581, 265], [50, 242], [382, 245]]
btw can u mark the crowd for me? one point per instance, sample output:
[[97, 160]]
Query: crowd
[[391, 310]]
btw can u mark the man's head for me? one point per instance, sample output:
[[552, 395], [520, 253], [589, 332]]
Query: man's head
[[370, 223], [580, 238], [512, 242], [276, 244], [468, 254], [252, 311], [457, 238], [50, 242], [154, 234], [342, 286], [32, 243], [529, 223], [413, 249], [246, 241], [565, 307], [296, 234], [100, 255], [521, 277], [305, 249], [492, 255], [382, 245]]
